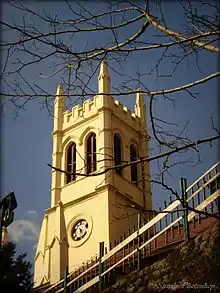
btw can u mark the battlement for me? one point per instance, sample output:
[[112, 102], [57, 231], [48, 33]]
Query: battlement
[[80, 111], [124, 109], [91, 106], [124, 113]]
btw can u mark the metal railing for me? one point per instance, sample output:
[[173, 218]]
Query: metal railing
[[202, 195]]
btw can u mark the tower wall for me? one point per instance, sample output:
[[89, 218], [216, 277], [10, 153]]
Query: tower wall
[[100, 203]]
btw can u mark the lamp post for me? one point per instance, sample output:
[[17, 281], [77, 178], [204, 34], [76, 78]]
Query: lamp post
[[7, 206]]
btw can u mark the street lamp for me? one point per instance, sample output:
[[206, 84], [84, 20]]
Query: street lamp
[[7, 206]]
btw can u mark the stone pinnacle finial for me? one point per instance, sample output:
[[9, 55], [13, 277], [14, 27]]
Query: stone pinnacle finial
[[140, 107], [59, 90], [104, 78], [139, 98], [59, 107], [104, 69]]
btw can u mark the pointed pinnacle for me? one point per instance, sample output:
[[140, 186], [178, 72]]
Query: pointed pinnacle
[[104, 68], [59, 90], [139, 98]]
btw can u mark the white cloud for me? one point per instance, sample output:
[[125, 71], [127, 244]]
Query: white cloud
[[33, 213], [23, 230]]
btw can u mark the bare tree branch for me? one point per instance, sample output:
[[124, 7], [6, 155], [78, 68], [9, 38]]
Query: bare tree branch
[[180, 36], [175, 150]]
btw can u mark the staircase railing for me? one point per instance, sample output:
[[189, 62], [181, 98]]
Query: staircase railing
[[202, 195]]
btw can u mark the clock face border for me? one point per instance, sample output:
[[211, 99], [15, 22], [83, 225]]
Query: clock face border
[[80, 230], [73, 222]]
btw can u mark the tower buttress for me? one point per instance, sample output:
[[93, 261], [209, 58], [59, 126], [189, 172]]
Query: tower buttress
[[104, 87], [140, 111], [41, 266], [59, 106], [59, 247]]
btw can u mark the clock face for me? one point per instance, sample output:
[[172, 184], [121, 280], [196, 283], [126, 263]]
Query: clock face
[[80, 229]]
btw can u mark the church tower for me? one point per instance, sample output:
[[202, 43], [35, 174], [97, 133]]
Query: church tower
[[92, 202]]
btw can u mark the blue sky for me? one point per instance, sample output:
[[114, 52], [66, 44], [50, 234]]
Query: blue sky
[[27, 143]]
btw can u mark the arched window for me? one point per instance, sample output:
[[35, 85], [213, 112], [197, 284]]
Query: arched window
[[117, 153], [133, 157], [91, 153], [71, 163]]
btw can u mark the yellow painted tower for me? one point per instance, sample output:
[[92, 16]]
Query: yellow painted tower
[[89, 205]]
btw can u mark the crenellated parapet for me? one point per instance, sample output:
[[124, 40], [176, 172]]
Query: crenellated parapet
[[80, 112], [64, 119], [92, 107], [124, 114]]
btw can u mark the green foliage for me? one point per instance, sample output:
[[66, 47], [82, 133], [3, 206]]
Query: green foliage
[[15, 273]]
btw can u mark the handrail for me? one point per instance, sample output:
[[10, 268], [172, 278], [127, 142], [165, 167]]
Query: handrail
[[60, 290], [204, 185], [147, 226], [206, 202], [69, 275], [85, 286], [190, 217], [171, 207], [147, 242], [131, 237], [134, 235], [192, 214], [83, 273], [53, 286], [197, 180]]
